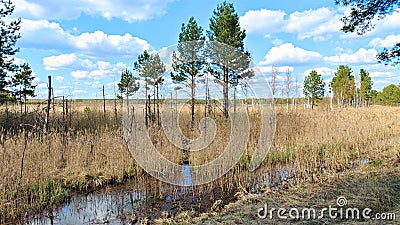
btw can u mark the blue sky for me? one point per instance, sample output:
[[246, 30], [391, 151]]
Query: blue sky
[[85, 44]]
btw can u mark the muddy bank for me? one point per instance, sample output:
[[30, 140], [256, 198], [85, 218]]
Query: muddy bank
[[378, 190]]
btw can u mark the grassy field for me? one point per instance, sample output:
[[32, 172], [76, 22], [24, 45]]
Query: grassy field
[[85, 149]]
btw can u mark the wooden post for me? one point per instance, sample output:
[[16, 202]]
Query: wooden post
[[104, 102], [115, 107], [66, 112], [48, 105], [52, 94], [63, 105]]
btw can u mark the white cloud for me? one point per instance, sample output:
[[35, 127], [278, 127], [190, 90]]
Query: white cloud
[[19, 61], [377, 67], [289, 55], [319, 24], [277, 42], [384, 26], [58, 92], [94, 84], [263, 21], [36, 80], [95, 44], [382, 74], [66, 61], [101, 43], [127, 10], [360, 57], [266, 70], [41, 85], [34, 31], [80, 74], [54, 62], [66, 87], [78, 92], [384, 78], [113, 84], [389, 41], [59, 78], [32, 8], [324, 71], [101, 70]]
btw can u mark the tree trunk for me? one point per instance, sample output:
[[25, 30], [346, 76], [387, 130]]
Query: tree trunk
[[104, 103], [21, 104], [146, 103], [48, 105], [154, 104], [26, 110], [193, 101], [225, 92], [234, 103], [287, 104], [148, 108], [158, 107]]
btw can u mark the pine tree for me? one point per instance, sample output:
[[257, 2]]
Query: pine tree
[[9, 37], [140, 67], [151, 69], [21, 85], [231, 62], [314, 87], [155, 69], [188, 63], [365, 87], [128, 83], [390, 95]]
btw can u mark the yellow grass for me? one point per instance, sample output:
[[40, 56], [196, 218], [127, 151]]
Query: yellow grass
[[91, 152]]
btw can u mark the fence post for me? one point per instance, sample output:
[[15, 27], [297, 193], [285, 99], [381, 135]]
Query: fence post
[[104, 103], [48, 104]]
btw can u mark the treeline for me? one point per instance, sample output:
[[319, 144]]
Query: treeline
[[390, 95], [349, 90]]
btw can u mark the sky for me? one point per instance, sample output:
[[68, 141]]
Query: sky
[[85, 44]]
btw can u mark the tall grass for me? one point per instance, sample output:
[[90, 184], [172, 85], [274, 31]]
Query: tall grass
[[85, 149]]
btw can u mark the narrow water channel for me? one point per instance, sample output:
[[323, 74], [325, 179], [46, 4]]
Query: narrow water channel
[[132, 202]]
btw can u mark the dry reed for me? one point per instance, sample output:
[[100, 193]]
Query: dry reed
[[86, 149]]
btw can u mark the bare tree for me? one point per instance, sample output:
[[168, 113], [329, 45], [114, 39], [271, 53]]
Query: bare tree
[[296, 93], [273, 79], [288, 87]]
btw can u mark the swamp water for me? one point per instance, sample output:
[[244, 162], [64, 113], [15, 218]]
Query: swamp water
[[131, 203]]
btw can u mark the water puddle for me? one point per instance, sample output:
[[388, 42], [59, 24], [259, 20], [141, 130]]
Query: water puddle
[[131, 203], [95, 208], [125, 204]]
